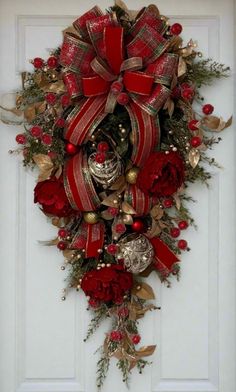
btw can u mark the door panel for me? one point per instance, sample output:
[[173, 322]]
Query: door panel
[[41, 337]]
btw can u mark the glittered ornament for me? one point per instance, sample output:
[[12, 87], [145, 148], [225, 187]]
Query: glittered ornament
[[208, 109], [90, 217], [192, 125], [176, 29], [61, 245], [132, 175], [52, 62], [196, 141], [38, 62], [36, 131], [182, 244], [137, 252], [105, 172], [20, 138]]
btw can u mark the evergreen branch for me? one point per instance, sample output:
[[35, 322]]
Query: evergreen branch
[[102, 369], [101, 314]]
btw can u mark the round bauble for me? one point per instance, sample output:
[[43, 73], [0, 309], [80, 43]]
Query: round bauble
[[90, 217], [136, 251], [132, 175], [138, 226]]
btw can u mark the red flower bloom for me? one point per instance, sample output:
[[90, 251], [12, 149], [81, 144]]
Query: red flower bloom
[[108, 284], [162, 174], [52, 197]]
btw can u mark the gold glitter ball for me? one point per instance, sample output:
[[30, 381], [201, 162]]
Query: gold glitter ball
[[90, 217], [132, 175]]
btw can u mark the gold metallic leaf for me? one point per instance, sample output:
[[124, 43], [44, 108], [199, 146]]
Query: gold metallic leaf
[[105, 215], [182, 67], [155, 230], [194, 157], [57, 87], [143, 290], [128, 209], [177, 201], [145, 351], [58, 172], [30, 113], [216, 124], [170, 106], [50, 243], [119, 184], [111, 200], [127, 219], [157, 212], [68, 254], [45, 166]]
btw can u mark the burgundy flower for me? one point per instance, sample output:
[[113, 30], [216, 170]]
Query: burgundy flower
[[52, 197], [162, 174], [108, 284]]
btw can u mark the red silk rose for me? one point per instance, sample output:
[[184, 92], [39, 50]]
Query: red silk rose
[[162, 174], [107, 284], [52, 197]]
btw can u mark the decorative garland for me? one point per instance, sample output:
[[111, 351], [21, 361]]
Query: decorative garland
[[110, 124]]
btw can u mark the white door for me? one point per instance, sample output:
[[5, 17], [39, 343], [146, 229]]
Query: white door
[[41, 337]]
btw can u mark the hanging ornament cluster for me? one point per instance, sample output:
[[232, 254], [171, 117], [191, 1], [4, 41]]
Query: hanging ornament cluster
[[110, 125]]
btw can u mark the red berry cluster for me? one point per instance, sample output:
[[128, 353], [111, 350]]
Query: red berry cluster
[[102, 149], [175, 233]]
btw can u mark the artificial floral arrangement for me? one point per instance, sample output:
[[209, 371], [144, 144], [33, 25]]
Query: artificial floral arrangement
[[110, 124]]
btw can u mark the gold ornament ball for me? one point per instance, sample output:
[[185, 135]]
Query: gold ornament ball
[[91, 217], [132, 175]]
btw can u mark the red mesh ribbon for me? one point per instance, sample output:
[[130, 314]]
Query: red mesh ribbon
[[78, 184], [90, 238], [164, 257], [99, 64]]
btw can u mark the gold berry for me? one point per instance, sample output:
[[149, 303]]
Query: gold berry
[[91, 217], [132, 175]]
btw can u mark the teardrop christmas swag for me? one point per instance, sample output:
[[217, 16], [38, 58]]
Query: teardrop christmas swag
[[110, 124]]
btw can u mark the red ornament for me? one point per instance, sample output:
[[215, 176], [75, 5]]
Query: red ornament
[[47, 139], [21, 139], [192, 125], [65, 100], [123, 99], [100, 157], [168, 203], [182, 244], [208, 109], [120, 228], [103, 147], [183, 225], [51, 98], [36, 131], [176, 29], [71, 149], [188, 94], [38, 62], [112, 249], [113, 211], [52, 62], [62, 245], [136, 339], [63, 233], [196, 141], [137, 226], [175, 232], [60, 123]]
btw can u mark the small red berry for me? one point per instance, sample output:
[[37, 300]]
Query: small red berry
[[47, 139], [168, 203], [123, 98], [63, 233], [116, 336], [51, 98], [120, 228], [100, 157], [188, 94], [52, 62], [65, 100], [113, 211], [112, 249], [175, 232], [137, 226], [136, 339], [116, 87], [196, 141], [176, 29], [61, 245], [185, 85], [60, 123], [36, 131], [182, 244], [38, 62], [208, 109], [192, 125], [71, 149], [103, 147], [183, 225], [20, 138]]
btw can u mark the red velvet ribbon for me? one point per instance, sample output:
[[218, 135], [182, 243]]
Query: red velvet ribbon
[[164, 257]]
